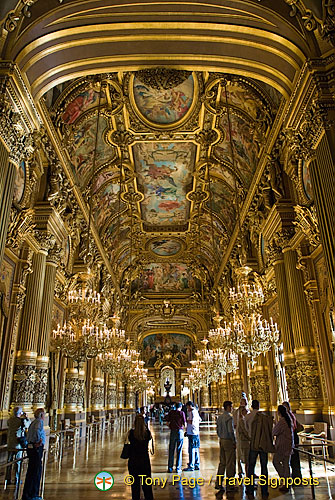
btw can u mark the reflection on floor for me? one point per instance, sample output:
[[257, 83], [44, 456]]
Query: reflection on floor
[[73, 478]]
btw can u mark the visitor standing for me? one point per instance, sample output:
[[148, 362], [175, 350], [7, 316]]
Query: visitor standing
[[161, 414], [176, 421], [261, 444], [237, 419], [36, 442], [18, 423], [243, 441], [192, 432], [283, 432], [295, 457], [139, 460], [227, 465]]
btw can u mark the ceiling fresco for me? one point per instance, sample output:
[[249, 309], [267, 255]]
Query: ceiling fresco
[[165, 174], [185, 143], [163, 105]]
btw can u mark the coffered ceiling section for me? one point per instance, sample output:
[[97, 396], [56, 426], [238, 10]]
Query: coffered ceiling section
[[162, 156]]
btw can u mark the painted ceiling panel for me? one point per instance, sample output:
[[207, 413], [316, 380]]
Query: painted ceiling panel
[[165, 174], [163, 105]]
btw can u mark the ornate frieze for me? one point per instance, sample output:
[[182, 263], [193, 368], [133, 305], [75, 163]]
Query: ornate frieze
[[316, 15], [41, 384], [291, 382], [307, 375], [306, 221], [21, 226], [24, 384]]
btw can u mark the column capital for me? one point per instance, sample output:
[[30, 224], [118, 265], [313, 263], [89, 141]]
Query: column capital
[[278, 226], [45, 240]]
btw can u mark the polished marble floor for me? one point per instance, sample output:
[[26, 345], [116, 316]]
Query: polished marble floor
[[72, 478]]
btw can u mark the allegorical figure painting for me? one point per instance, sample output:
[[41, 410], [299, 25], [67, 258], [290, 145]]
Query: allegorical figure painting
[[84, 101], [83, 146], [165, 247], [155, 346], [164, 106], [166, 277], [165, 174]]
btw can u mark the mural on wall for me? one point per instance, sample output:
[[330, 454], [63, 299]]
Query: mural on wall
[[81, 150], [164, 171], [222, 202], [84, 101], [106, 203], [242, 98], [165, 247], [306, 180], [20, 182], [103, 178], [164, 106], [166, 277], [245, 148], [155, 346], [6, 278]]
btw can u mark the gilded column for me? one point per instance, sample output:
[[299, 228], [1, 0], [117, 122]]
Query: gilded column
[[71, 389], [25, 370], [120, 395], [6, 199], [260, 382], [322, 173], [214, 392], [111, 394], [307, 373], [97, 395], [204, 397], [277, 258], [42, 361], [130, 396]]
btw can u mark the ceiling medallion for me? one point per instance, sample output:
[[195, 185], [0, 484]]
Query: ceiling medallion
[[163, 98], [165, 247]]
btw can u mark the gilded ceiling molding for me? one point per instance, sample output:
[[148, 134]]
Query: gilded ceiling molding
[[316, 14]]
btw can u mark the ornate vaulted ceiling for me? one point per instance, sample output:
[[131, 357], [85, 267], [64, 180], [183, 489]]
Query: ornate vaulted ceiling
[[161, 157]]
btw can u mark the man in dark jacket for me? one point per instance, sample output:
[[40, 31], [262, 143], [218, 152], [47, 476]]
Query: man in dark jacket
[[176, 421], [261, 444]]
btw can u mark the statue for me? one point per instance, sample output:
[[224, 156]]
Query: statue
[[167, 387]]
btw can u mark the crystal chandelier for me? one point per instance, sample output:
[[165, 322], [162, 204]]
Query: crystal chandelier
[[247, 297], [79, 341]]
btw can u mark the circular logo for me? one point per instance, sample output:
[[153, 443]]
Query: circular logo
[[104, 481]]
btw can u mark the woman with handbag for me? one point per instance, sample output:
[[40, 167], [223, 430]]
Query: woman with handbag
[[295, 457], [139, 461]]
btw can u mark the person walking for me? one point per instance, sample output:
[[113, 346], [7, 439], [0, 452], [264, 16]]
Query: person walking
[[139, 460], [192, 432], [176, 421], [227, 465], [18, 423], [259, 427], [283, 432], [161, 413], [295, 457], [36, 442]]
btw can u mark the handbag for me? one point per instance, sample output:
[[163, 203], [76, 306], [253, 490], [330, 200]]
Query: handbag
[[125, 453], [152, 451], [300, 427]]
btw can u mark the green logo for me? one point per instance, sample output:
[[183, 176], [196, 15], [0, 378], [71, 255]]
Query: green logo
[[104, 481]]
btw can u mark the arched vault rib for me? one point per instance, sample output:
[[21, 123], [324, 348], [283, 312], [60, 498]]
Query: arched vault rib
[[249, 40]]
